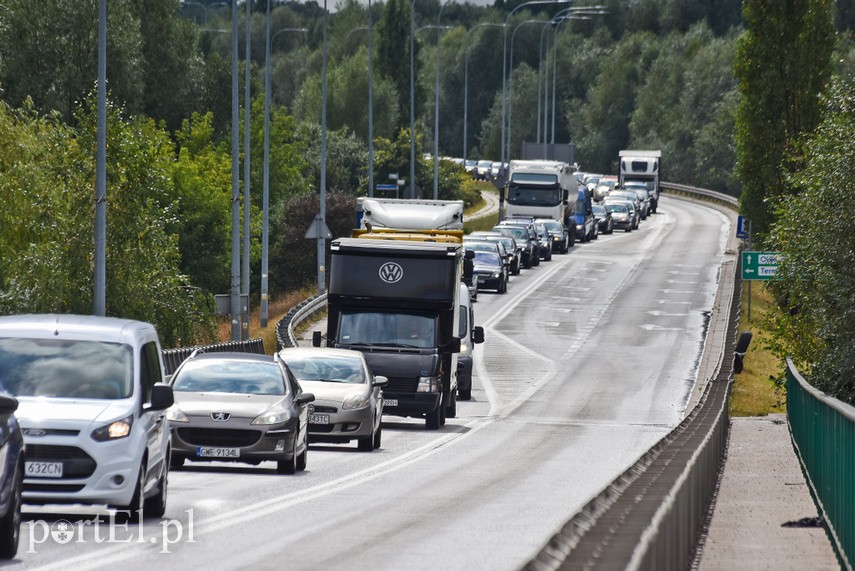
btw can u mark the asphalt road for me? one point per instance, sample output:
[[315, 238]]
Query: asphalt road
[[589, 360]]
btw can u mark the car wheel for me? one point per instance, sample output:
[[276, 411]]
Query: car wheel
[[302, 458], [10, 525], [629, 228], [451, 409], [155, 506], [288, 466], [176, 462], [366, 443], [516, 268], [504, 287], [464, 394], [596, 232], [378, 436], [131, 511], [536, 260]]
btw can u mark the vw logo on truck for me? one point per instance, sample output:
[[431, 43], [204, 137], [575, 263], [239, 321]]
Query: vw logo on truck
[[391, 272]]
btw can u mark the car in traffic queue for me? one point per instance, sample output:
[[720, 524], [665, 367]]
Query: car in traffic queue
[[605, 224], [483, 170], [11, 476], [529, 233], [561, 240], [348, 401], [239, 407], [631, 196], [545, 240], [520, 236], [604, 187], [620, 215], [490, 268], [469, 335], [511, 248], [471, 167], [91, 405]]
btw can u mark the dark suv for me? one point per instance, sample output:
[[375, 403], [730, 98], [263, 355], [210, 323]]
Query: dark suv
[[560, 238], [529, 233], [521, 237]]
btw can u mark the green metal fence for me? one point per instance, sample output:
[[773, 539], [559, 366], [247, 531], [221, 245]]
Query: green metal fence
[[823, 433]]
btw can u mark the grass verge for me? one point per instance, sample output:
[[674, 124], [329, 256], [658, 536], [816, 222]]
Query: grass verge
[[755, 392], [276, 310]]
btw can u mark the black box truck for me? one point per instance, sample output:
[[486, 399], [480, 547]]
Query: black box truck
[[395, 297]]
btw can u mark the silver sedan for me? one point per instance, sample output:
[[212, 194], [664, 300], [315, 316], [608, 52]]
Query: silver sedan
[[348, 399], [239, 407]]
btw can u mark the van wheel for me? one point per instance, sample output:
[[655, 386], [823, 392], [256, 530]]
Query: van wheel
[[433, 419], [132, 511], [464, 394], [155, 506], [10, 525]]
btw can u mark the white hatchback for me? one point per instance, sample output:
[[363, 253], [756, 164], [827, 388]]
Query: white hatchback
[[92, 403]]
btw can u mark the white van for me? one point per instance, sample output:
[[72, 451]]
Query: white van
[[469, 334], [92, 403]]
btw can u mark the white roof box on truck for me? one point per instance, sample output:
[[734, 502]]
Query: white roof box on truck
[[411, 214]]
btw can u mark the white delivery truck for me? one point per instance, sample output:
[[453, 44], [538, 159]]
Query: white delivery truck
[[541, 189], [642, 166], [409, 214]]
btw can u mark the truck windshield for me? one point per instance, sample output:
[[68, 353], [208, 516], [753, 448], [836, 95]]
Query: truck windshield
[[61, 368], [387, 329], [533, 196]]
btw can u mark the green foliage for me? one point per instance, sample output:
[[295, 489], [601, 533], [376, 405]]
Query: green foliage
[[815, 232], [393, 55], [347, 159], [47, 189], [393, 157], [782, 64]]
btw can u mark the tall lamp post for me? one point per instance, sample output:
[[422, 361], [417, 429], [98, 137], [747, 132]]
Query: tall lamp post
[[235, 272], [100, 278], [323, 194], [511, 78], [436, 107], [265, 206], [412, 101], [466, 84], [246, 177]]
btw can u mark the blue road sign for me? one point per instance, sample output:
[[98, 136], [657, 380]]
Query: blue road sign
[[392, 186], [741, 227]]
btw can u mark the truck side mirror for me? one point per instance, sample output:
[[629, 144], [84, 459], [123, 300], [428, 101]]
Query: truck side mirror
[[478, 334], [316, 338], [453, 346]]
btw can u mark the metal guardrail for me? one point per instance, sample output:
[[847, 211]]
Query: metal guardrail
[[174, 357], [701, 193], [822, 429], [304, 310], [652, 515]]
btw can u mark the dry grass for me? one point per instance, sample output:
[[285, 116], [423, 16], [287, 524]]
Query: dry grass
[[755, 392], [276, 310]]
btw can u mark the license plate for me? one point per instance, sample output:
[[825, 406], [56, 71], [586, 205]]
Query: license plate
[[319, 419], [390, 402], [43, 469], [209, 452]]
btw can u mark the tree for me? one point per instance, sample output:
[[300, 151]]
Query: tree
[[815, 230], [49, 51], [782, 64], [393, 56]]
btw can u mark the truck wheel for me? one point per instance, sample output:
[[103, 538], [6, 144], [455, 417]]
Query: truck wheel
[[464, 394], [433, 419], [451, 409]]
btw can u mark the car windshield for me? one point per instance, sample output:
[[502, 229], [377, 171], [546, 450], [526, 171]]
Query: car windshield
[[617, 208], [327, 368], [487, 258], [598, 209], [383, 329], [229, 376], [61, 368], [553, 227], [480, 246], [514, 231]]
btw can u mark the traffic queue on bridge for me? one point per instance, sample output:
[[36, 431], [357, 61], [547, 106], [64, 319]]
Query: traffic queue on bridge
[[400, 333]]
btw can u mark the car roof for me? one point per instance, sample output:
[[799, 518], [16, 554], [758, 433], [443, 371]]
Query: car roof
[[308, 352], [233, 356]]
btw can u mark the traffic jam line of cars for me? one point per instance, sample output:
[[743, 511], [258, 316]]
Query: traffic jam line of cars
[[89, 417]]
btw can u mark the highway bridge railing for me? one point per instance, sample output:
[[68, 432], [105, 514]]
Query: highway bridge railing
[[822, 429], [303, 311], [701, 194], [174, 357]]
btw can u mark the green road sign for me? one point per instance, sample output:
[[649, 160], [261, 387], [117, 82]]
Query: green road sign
[[760, 265]]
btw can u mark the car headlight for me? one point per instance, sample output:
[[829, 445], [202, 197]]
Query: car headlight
[[174, 414], [117, 429], [495, 274], [427, 385], [276, 417], [354, 402]]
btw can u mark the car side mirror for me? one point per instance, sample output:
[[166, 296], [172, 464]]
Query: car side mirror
[[316, 338], [478, 334], [380, 381], [305, 398], [161, 397], [8, 404]]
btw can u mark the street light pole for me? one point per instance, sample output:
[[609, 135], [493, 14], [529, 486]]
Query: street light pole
[[436, 107], [265, 205], [412, 101], [466, 84], [370, 104], [235, 275], [100, 277], [323, 197], [511, 78], [246, 178]]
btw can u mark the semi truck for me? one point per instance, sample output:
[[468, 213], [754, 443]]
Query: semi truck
[[643, 166], [395, 296], [542, 189]]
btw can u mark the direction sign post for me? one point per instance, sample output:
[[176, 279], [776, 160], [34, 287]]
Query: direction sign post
[[758, 266]]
